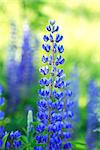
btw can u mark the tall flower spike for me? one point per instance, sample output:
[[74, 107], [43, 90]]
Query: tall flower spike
[[74, 99], [54, 118], [91, 136], [26, 67], [13, 94]]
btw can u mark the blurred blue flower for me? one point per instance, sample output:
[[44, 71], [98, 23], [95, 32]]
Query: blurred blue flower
[[91, 136], [12, 66], [22, 74], [73, 101], [2, 101], [1, 115]]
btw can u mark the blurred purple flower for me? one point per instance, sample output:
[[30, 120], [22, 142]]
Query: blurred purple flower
[[74, 99], [12, 66], [26, 70], [20, 76], [91, 136]]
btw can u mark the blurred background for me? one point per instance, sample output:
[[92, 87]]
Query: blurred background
[[79, 22]]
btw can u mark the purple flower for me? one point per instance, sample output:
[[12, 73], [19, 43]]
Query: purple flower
[[55, 29], [17, 144], [67, 146], [46, 47], [2, 101], [7, 145], [1, 131], [1, 143], [45, 38], [48, 28], [12, 66], [59, 60], [59, 72], [44, 70], [1, 115], [59, 38], [60, 49], [91, 136], [44, 59], [38, 148]]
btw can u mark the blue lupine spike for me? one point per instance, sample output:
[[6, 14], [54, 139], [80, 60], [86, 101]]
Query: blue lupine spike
[[26, 65], [54, 127], [91, 136]]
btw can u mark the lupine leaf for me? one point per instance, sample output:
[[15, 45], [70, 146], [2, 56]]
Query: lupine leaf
[[4, 140]]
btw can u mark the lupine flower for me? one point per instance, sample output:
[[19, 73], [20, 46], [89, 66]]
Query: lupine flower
[[26, 70], [20, 76], [12, 67], [2, 133], [13, 136], [92, 121], [53, 132], [13, 139], [7, 144], [72, 102]]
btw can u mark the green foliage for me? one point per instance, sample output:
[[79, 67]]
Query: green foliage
[[5, 140]]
